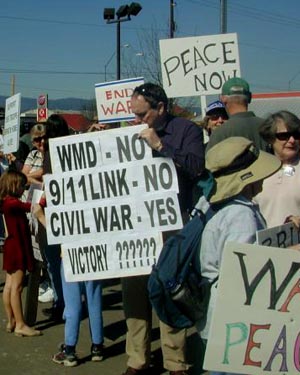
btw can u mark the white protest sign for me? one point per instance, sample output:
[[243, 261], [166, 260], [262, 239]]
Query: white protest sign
[[113, 99], [35, 197], [86, 151], [256, 323], [106, 256], [197, 66], [113, 216], [108, 193], [127, 179], [281, 236], [12, 124]]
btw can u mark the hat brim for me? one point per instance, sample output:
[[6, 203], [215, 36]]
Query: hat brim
[[231, 185], [216, 110]]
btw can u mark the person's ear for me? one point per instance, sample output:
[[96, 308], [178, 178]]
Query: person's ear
[[160, 108]]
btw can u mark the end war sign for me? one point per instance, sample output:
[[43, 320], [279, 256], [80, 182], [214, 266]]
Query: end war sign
[[113, 99], [198, 65], [255, 324]]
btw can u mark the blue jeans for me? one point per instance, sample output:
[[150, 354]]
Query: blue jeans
[[53, 257], [73, 309]]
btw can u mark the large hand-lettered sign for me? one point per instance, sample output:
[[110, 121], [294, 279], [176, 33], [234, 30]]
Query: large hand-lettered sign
[[11, 130], [108, 200], [113, 99], [197, 66], [256, 324]]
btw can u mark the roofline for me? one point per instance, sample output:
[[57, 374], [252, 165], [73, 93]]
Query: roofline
[[268, 95]]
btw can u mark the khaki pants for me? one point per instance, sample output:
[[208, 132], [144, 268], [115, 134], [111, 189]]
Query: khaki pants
[[138, 314]]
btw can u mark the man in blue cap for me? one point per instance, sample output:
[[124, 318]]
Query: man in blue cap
[[236, 96]]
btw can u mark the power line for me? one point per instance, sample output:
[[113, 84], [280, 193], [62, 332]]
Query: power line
[[68, 23], [253, 13]]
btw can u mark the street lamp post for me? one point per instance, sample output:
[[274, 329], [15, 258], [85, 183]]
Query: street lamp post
[[123, 14]]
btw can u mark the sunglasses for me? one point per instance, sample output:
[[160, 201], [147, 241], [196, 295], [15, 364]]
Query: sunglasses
[[284, 136], [217, 116], [39, 139]]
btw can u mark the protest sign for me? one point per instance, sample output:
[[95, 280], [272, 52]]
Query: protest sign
[[86, 151], [197, 66], [281, 236], [108, 196], [113, 99], [255, 323], [107, 256], [11, 132], [34, 196]]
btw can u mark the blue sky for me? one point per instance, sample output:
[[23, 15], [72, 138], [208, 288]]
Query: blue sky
[[42, 41]]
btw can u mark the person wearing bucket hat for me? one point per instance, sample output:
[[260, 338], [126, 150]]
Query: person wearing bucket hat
[[238, 169], [236, 96]]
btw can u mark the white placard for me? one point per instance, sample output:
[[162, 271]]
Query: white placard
[[114, 99], [107, 193], [103, 258], [200, 65], [73, 222], [255, 326], [97, 149], [11, 130], [35, 197], [112, 181]]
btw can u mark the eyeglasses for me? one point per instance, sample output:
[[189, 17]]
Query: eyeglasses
[[39, 139], [284, 136]]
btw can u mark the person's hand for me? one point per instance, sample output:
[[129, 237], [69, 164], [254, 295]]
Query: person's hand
[[38, 212], [10, 158], [97, 127], [293, 219], [152, 139]]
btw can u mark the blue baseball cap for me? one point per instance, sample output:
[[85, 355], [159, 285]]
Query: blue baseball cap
[[216, 106]]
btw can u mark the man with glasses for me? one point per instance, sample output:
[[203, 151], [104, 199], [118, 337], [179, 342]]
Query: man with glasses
[[181, 140], [236, 96]]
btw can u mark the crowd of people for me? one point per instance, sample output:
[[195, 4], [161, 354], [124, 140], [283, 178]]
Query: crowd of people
[[246, 158]]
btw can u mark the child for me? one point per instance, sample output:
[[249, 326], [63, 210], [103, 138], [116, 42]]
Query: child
[[17, 252]]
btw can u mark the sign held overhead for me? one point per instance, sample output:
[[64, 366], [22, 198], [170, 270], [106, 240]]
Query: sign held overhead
[[198, 65]]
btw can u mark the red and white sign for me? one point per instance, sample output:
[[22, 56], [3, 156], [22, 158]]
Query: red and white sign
[[113, 99], [42, 114], [42, 108]]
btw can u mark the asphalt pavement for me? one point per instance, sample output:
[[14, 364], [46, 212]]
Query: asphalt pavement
[[32, 355]]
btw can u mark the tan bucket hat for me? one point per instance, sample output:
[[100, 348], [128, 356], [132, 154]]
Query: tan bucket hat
[[235, 163]]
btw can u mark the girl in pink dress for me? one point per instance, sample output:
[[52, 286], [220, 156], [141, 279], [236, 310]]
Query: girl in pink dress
[[17, 251]]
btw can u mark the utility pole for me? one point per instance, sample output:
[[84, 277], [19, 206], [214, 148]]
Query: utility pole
[[12, 85], [172, 22], [223, 17]]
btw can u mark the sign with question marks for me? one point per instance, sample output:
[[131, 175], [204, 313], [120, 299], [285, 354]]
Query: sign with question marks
[[108, 202]]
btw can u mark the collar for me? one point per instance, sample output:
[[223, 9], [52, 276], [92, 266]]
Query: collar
[[243, 114], [163, 129]]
